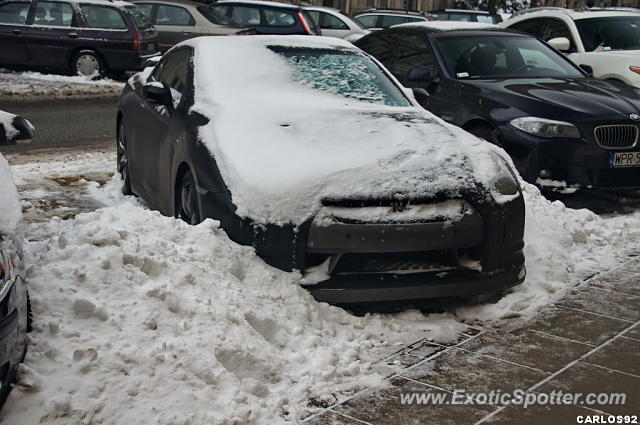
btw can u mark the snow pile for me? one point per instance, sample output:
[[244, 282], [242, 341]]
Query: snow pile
[[10, 210], [33, 85], [563, 247], [304, 144], [448, 25], [142, 318]]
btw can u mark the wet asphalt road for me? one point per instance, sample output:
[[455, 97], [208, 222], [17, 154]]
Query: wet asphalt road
[[67, 123]]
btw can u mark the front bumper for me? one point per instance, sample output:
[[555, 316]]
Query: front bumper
[[406, 287], [574, 161]]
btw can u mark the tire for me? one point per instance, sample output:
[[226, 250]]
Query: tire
[[87, 63], [187, 202], [487, 133], [123, 160]]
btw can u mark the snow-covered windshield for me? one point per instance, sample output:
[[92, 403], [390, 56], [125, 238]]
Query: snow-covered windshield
[[342, 72], [613, 33]]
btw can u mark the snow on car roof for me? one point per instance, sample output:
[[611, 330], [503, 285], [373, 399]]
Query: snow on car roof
[[261, 3], [283, 146], [447, 25]]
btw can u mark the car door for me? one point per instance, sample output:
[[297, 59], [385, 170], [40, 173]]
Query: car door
[[13, 30], [159, 128], [174, 24], [53, 34], [331, 25]]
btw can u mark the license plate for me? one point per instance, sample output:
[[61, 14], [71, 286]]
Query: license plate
[[624, 159]]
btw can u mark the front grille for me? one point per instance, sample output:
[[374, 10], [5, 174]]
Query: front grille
[[397, 262], [616, 136]]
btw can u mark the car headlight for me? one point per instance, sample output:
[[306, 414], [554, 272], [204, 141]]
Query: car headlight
[[505, 182], [545, 128]]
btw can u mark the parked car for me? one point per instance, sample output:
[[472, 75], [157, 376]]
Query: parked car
[[515, 91], [268, 17], [82, 37], [15, 311], [467, 16], [377, 19], [333, 23], [344, 172], [176, 21], [605, 42]]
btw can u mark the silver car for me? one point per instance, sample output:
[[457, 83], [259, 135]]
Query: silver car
[[179, 20], [333, 23]]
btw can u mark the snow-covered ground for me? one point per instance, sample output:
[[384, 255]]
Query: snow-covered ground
[[17, 85], [142, 319]]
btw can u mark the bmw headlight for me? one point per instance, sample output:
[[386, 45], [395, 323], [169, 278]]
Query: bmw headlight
[[505, 182], [543, 127]]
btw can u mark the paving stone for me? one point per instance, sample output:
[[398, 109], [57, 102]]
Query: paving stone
[[538, 415], [621, 354], [457, 369], [384, 407], [530, 349], [330, 418], [619, 280], [634, 332], [585, 378], [614, 304], [577, 325]]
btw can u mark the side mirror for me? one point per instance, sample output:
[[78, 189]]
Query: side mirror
[[421, 95], [14, 128], [152, 62], [587, 68], [156, 92], [561, 44], [422, 74]]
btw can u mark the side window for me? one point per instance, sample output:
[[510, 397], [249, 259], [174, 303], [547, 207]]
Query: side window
[[173, 71], [14, 13], [104, 17], [381, 46], [389, 20], [460, 17], [246, 15], [443, 16], [485, 19], [368, 21], [145, 8], [530, 26], [330, 22], [278, 18], [556, 28], [174, 15], [55, 14], [412, 53]]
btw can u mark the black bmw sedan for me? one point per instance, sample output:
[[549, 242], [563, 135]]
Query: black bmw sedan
[[556, 122], [309, 151]]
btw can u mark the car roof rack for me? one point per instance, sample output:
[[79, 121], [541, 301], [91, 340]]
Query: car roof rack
[[389, 9], [538, 9], [610, 9]]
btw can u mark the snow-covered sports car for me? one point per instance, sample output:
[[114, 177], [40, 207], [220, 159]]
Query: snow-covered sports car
[[309, 150], [14, 304]]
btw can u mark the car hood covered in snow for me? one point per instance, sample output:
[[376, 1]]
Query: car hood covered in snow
[[282, 147]]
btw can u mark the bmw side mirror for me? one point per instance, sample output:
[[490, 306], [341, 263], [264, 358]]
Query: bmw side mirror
[[561, 44], [586, 68], [421, 95], [14, 128], [156, 92], [421, 74]]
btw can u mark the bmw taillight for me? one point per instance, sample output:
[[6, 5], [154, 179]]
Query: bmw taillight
[[137, 41], [304, 23]]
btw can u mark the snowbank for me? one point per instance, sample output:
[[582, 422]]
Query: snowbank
[[141, 318], [282, 145]]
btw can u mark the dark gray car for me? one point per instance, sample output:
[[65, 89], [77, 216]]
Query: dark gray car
[[83, 37]]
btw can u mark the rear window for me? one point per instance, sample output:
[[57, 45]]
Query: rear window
[[104, 17], [139, 17], [14, 13], [216, 16]]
